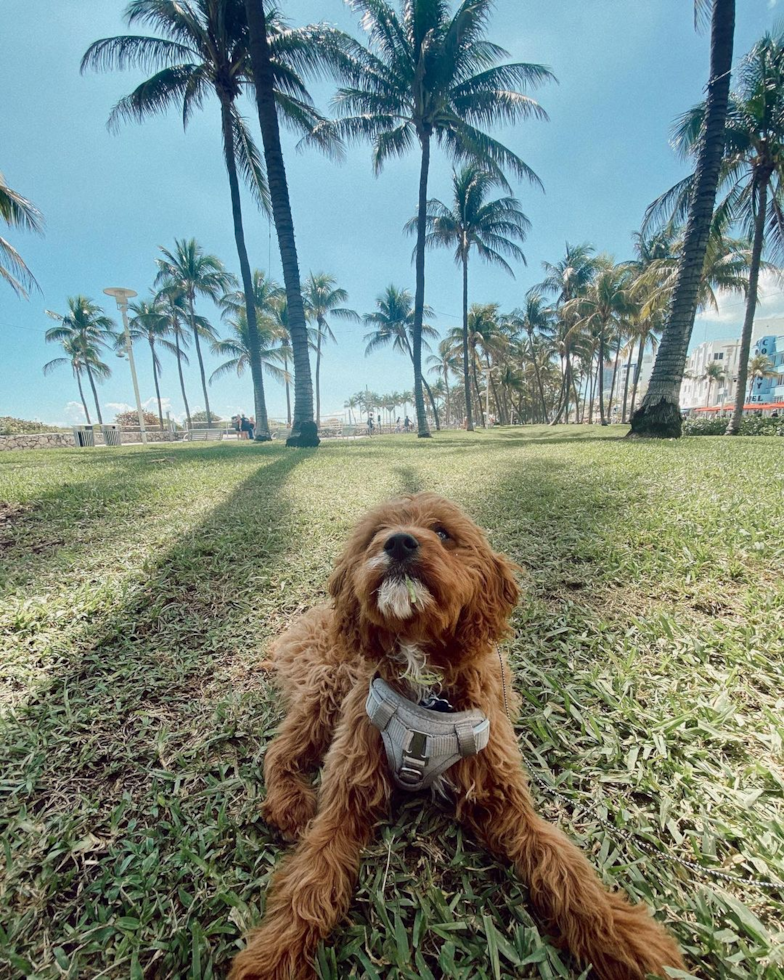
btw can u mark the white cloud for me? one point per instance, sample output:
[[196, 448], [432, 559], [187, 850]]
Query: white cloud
[[151, 405], [118, 407], [74, 412], [732, 307]]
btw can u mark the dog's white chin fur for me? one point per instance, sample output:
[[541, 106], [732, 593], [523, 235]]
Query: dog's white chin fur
[[402, 599]]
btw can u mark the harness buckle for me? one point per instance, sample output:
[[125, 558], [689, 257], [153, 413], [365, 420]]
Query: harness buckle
[[414, 759]]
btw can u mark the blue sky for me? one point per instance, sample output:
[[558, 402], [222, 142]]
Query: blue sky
[[625, 71]]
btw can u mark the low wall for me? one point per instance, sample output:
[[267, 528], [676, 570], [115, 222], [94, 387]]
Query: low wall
[[37, 440], [59, 440]]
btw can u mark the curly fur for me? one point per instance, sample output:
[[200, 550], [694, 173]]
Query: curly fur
[[324, 663]]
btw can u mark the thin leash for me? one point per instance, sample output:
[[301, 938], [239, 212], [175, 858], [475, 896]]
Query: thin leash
[[633, 839]]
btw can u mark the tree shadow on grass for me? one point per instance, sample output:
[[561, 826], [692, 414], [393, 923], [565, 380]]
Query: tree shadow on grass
[[128, 774]]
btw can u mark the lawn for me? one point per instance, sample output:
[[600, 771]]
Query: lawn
[[141, 586]]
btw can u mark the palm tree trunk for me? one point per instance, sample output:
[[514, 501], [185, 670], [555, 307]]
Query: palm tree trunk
[[432, 404], [637, 370], [567, 383], [179, 370], [601, 377], [538, 376], [591, 391], [95, 392], [733, 427], [157, 386], [423, 432], [614, 376], [81, 395], [281, 209], [446, 387], [195, 332], [493, 388], [319, 324], [262, 433], [288, 394], [482, 420], [466, 378], [659, 415], [626, 382]]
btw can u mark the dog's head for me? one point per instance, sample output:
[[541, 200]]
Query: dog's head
[[418, 569]]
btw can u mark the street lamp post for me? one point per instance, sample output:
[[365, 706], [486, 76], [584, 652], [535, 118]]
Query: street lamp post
[[122, 296]]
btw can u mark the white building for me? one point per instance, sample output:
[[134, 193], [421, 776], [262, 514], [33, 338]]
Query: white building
[[696, 388]]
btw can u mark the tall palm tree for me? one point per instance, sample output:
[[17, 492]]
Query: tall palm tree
[[659, 415], [77, 354], [473, 222], [714, 371], [89, 328], [566, 280], [261, 51], [175, 305], [195, 273], [323, 297], [442, 363], [393, 323], [237, 349], [760, 366], [604, 307], [17, 212], [266, 298], [752, 172], [203, 49], [428, 74], [149, 320], [535, 319]]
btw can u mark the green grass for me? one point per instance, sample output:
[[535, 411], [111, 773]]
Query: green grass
[[140, 588]]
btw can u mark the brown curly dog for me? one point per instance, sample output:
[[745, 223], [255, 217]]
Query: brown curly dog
[[420, 600]]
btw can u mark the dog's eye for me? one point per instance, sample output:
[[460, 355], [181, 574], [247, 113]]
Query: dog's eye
[[442, 533]]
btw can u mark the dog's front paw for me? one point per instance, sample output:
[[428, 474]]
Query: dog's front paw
[[290, 808]]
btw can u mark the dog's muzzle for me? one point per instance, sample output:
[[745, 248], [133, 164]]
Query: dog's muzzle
[[421, 744]]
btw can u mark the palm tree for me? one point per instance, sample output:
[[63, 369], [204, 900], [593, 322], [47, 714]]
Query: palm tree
[[760, 366], [192, 271], [474, 222], [237, 349], [149, 320], [204, 48], [77, 355], [714, 371], [175, 305], [442, 363], [261, 51], [17, 212], [267, 295], [393, 322], [752, 171], [427, 74], [88, 330], [322, 297], [567, 279], [659, 415], [535, 319]]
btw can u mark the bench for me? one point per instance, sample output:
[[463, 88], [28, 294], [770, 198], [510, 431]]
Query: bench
[[205, 435]]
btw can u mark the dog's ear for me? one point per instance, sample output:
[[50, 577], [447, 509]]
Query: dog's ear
[[341, 588], [486, 619]]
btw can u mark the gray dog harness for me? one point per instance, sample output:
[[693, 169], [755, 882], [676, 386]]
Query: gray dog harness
[[422, 744]]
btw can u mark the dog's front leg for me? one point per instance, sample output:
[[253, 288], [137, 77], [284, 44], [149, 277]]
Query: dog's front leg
[[312, 890], [620, 940]]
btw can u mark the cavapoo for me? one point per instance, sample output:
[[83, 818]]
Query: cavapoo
[[399, 683]]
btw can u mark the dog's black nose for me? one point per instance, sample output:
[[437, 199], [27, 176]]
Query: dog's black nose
[[401, 546]]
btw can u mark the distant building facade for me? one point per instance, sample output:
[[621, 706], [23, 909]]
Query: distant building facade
[[696, 389]]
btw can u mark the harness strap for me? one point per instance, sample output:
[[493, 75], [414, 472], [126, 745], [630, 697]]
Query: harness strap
[[422, 744]]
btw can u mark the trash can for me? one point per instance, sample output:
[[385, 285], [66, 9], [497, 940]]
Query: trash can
[[83, 436], [112, 435]]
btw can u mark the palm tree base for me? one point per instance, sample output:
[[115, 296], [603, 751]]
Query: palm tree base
[[262, 438], [659, 421], [424, 435]]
